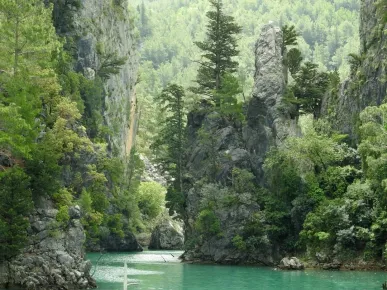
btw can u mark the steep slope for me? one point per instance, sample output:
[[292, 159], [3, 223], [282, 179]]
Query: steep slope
[[105, 30], [97, 35], [223, 212], [366, 86]]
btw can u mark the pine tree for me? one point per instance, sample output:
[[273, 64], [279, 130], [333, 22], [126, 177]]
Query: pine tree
[[16, 202], [170, 143], [309, 88], [27, 35], [218, 50]]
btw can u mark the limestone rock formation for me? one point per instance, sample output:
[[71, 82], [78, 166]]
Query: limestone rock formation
[[104, 28], [267, 123], [292, 263], [54, 257], [167, 236], [242, 146], [152, 172], [366, 86]]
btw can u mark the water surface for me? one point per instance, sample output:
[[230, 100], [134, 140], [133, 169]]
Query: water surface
[[161, 270]]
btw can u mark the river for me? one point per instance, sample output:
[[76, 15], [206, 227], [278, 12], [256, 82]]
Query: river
[[161, 270]]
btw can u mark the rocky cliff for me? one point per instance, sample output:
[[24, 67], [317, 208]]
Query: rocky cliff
[[237, 145], [97, 32], [54, 257], [367, 84], [104, 30]]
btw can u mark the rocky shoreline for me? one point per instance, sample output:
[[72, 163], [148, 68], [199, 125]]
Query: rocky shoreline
[[355, 265], [54, 257]]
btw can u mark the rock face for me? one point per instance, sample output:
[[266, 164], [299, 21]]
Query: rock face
[[152, 172], [104, 28], [167, 236], [54, 257], [291, 264], [366, 86], [114, 243], [267, 123], [242, 146]]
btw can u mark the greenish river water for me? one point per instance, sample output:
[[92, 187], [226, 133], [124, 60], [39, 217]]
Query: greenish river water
[[161, 270]]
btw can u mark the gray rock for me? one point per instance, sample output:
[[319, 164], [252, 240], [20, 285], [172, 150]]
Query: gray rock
[[321, 257], [49, 259], [355, 93], [292, 263], [102, 30], [167, 236], [75, 212], [114, 243], [89, 73], [65, 259], [242, 146]]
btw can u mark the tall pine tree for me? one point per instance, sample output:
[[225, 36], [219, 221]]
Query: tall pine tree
[[218, 50], [170, 144]]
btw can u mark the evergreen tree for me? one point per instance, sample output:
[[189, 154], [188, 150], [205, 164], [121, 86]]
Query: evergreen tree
[[289, 36], [309, 88], [218, 50], [27, 35], [145, 29], [170, 143], [16, 202]]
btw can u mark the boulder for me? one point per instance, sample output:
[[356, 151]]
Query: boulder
[[334, 265], [115, 243], [167, 236], [51, 254], [292, 263]]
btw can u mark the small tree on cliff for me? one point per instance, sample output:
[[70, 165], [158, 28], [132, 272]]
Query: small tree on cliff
[[16, 202], [170, 142], [218, 49]]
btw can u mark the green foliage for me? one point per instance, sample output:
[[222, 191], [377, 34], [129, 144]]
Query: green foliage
[[170, 142], [302, 174], [208, 224], [151, 196], [218, 50], [63, 216], [239, 243], [115, 225], [110, 65], [294, 59], [289, 36], [229, 107], [27, 35], [355, 61], [328, 33], [309, 89], [15, 205]]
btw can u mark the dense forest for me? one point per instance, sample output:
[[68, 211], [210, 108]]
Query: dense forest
[[168, 29], [55, 142]]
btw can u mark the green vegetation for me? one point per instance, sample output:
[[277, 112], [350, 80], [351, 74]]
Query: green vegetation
[[218, 50], [170, 143], [53, 139], [328, 34]]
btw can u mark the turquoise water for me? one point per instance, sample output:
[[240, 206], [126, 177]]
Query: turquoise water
[[161, 270]]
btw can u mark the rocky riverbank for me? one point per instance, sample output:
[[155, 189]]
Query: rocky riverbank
[[54, 256]]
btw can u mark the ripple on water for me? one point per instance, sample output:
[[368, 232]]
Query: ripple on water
[[116, 274]]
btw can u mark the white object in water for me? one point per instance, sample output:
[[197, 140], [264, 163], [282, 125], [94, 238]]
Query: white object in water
[[125, 277]]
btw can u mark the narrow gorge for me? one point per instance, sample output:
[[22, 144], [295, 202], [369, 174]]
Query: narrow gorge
[[153, 132]]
